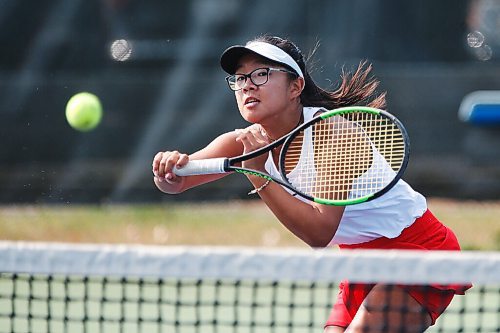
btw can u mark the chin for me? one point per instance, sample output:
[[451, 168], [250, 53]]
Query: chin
[[249, 116]]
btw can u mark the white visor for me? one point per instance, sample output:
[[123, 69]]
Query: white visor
[[230, 57]]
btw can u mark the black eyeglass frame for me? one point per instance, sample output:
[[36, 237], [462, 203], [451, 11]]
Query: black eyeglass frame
[[249, 76]]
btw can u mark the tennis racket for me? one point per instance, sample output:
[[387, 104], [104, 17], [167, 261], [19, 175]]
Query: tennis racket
[[341, 157]]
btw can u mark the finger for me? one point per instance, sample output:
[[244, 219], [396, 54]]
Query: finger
[[171, 162], [248, 142], [252, 138], [156, 161], [260, 135], [163, 163], [242, 133], [157, 168], [256, 138], [182, 160], [170, 177]]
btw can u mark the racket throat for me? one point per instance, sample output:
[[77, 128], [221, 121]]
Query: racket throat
[[226, 166]]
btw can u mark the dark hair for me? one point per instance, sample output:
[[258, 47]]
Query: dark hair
[[358, 88]]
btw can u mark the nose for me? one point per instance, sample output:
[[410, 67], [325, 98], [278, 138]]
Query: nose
[[248, 84]]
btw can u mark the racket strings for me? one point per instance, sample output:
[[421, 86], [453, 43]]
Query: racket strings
[[346, 157]]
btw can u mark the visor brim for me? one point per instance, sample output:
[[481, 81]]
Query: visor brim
[[230, 57]]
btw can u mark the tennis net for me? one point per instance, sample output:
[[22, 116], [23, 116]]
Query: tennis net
[[54, 287]]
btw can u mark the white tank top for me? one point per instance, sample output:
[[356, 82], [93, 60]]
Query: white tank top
[[385, 216]]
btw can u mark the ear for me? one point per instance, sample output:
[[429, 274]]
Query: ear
[[296, 87]]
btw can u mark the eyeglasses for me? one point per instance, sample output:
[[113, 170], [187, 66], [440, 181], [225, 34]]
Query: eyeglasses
[[258, 77]]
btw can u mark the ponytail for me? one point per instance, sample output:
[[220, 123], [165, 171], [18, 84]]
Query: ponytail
[[358, 88]]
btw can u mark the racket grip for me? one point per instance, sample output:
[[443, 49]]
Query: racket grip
[[202, 167]]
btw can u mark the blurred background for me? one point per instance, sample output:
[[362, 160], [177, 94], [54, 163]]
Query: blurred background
[[155, 66]]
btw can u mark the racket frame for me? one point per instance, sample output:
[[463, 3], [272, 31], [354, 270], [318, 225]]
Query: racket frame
[[339, 112]]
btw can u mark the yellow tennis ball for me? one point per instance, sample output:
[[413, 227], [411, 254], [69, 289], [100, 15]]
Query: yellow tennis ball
[[84, 111]]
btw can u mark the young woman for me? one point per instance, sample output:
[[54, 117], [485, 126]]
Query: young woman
[[275, 93]]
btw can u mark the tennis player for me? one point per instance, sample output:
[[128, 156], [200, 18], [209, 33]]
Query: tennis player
[[275, 93]]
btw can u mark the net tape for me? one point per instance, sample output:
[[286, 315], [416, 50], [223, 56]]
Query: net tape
[[381, 266]]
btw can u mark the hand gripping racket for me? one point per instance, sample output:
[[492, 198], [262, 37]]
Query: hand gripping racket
[[341, 157]]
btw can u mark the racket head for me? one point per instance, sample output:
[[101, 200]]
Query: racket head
[[350, 155]]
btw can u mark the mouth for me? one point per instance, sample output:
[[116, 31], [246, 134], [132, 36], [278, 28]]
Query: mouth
[[251, 101]]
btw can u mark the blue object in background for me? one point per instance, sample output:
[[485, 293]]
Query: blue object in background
[[485, 114], [481, 108]]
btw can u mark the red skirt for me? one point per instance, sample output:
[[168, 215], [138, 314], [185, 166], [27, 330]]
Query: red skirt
[[426, 233]]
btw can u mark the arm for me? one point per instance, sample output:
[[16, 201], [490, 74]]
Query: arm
[[315, 224], [163, 163]]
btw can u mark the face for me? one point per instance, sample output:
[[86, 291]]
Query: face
[[259, 104]]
